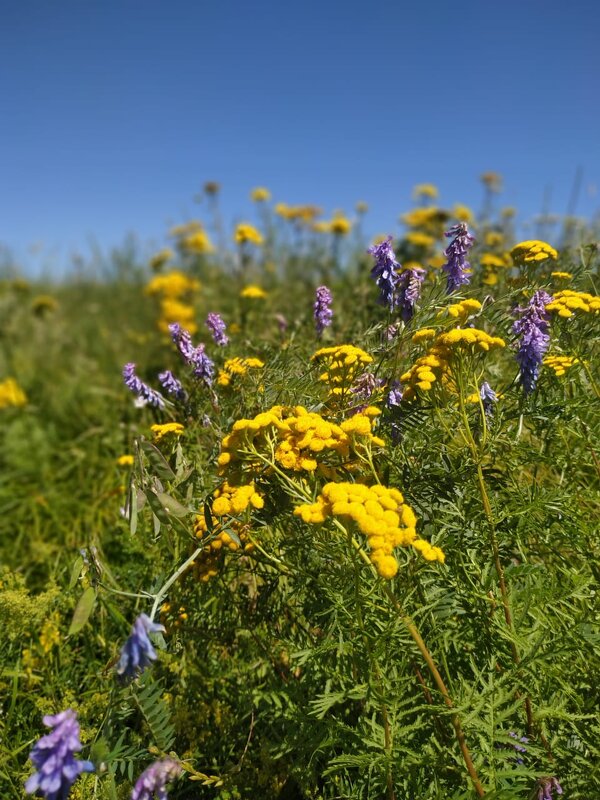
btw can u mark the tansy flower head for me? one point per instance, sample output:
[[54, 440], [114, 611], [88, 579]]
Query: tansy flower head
[[567, 302], [340, 226], [425, 190], [125, 460], [260, 194], [532, 251], [168, 429], [158, 260], [11, 394], [247, 233], [253, 293]]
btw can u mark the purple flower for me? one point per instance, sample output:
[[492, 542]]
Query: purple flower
[[457, 265], [547, 785], [488, 399], [138, 653], [196, 357], [394, 398], [384, 273], [409, 290], [216, 326], [57, 768], [171, 385], [282, 323], [363, 388], [143, 391], [533, 329], [322, 309], [153, 781]]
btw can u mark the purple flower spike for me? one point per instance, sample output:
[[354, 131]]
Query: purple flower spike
[[217, 328], [547, 787], [143, 391], [457, 265], [384, 273], [409, 288], [53, 757], [138, 653], [171, 385], [195, 357], [153, 781], [533, 330], [394, 398], [488, 399], [322, 309]]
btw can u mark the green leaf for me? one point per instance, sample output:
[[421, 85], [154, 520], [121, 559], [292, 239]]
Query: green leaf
[[75, 571], [157, 461], [83, 610], [155, 504], [172, 506], [208, 517]]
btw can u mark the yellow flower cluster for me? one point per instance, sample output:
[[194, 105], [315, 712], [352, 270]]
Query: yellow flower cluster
[[343, 363], [253, 293], [43, 304], [159, 259], [339, 226], [435, 365], [561, 276], [301, 214], [560, 364], [463, 310], [185, 228], [300, 439], [260, 194], [171, 288], [172, 617], [172, 285], [247, 233], [237, 366], [463, 213], [125, 460], [532, 250], [567, 301], [167, 429], [197, 243], [419, 239], [425, 190], [11, 394], [493, 239], [379, 512], [490, 264]]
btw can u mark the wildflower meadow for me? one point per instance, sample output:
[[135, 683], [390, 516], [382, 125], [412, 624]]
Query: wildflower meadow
[[289, 512]]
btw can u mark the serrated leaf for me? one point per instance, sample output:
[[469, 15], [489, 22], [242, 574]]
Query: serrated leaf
[[83, 610], [158, 462]]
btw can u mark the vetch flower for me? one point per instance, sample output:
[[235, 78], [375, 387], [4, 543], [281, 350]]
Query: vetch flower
[[138, 653], [143, 391], [54, 759], [322, 309], [547, 786], [384, 273], [533, 329], [216, 326], [171, 385], [409, 291], [153, 781], [196, 357], [488, 399], [457, 265]]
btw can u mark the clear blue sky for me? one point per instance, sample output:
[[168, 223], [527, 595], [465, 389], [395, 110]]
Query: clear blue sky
[[113, 114]]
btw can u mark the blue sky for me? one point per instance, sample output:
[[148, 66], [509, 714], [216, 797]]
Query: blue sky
[[115, 113]]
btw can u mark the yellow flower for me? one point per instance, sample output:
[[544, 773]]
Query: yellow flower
[[125, 461], [463, 213], [419, 239], [462, 310], [340, 226], [492, 181], [237, 366], [186, 228], [322, 226], [171, 285], [560, 364], [11, 394], [379, 513], [493, 239], [566, 302], [160, 431], [42, 304], [260, 194], [174, 311], [247, 233], [50, 635], [561, 276], [425, 190], [159, 259], [196, 243], [362, 207], [253, 293], [532, 251]]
